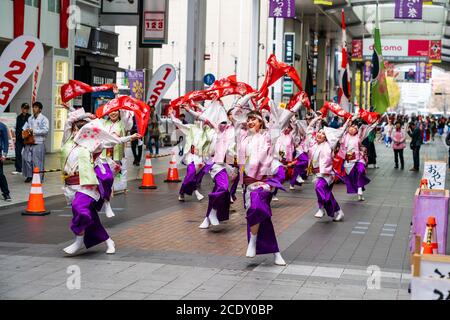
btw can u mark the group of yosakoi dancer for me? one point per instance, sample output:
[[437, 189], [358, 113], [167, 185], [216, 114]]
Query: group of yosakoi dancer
[[253, 147], [242, 144]]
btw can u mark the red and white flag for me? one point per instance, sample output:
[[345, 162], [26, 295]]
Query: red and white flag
[[344, 72]]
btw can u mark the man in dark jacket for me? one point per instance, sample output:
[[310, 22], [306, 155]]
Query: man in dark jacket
[[4, 146], [416, 142], [20, 121]]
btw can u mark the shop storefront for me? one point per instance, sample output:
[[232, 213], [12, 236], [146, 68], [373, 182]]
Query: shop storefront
[[95, 51]]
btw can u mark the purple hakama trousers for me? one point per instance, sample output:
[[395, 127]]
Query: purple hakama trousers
[[356, 178], [280, 177], [105, 181], [193, 180], [234, 186], [325, 197], [219, 198], [300, 168], [85, 218], [260, 212]]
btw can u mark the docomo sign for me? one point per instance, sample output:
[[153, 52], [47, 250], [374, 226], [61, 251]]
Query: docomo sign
[[17, 63], [389, 47], [161, 82]]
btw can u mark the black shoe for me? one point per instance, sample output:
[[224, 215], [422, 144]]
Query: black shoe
[[396, 167], [28, 179], [7, 198]]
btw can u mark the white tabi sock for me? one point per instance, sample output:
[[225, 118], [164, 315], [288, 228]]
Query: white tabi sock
[[205, 224], [76, 246], [111, 246], [198, 195], [213, 217], [338, 216], [360, 191], [279, 261], [108, 210], [319, 214], [299, 179], [251, 249]]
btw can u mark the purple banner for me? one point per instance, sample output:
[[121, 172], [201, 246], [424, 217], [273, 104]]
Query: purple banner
[[408, 9], [421, 72], [136, 84], [367, 71], [282, 8]]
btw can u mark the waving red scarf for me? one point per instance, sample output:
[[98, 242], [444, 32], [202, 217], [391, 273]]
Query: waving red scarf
[[141, 110], [276, 70], [299, 96], [76, 88], [368, 117]]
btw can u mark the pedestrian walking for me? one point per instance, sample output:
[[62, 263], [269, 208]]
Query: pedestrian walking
[[416, 142], [35, 132], [447, 141], [4, 146], [21, 119], [398, 144]]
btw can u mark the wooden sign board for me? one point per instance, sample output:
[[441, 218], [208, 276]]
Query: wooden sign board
[[430, 289], [434, 172]]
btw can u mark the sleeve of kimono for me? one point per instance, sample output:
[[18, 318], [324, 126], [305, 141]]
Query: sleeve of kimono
[[86, 168], [365, 131], [184, 128]]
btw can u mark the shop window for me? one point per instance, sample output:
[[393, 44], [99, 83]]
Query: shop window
[[54, 6], [33, 3]]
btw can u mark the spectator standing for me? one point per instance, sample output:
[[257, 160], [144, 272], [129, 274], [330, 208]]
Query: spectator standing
[[21, 119], [447, 141], [154, 134], [416, 142], [441, 126], [136, 145], [33, 153], [398, 144], [4, 146]]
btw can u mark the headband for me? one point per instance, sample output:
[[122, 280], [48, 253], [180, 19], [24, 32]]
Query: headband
[[255, 116]]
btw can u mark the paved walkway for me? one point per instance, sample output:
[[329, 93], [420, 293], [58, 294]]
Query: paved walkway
[[161, 254]]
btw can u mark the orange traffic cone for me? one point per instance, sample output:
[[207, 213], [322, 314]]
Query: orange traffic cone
[[36, 205], [172, 174], [429, 244], [148, 181]]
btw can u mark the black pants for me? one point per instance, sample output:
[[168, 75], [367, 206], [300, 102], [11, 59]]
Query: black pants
[[19, 148], [399, 153], [3, 182], [449, 158], [137, 151], [416, 157]]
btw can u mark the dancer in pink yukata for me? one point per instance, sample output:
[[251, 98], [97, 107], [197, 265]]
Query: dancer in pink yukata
[[255, 152], [320, 150], [354, 163]]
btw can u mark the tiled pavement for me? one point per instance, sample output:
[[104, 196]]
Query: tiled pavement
[[161, 254]]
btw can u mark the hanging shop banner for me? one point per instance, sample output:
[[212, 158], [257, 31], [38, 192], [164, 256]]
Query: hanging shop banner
[[18, 61], [408, 9], [357, 50], [429, 71], [153, 19], [400, 50], [137, 84], [288, 58], [367, 71], [281, 8], [37, 75], [161, 81], [421, 73], [119, 7]]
